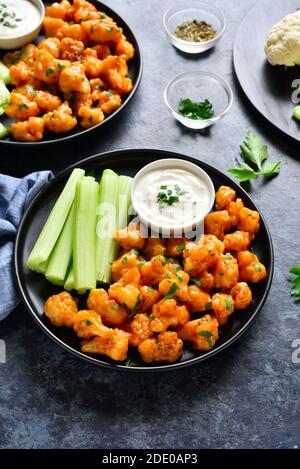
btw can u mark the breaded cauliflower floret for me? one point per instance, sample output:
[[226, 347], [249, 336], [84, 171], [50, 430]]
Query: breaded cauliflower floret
[[61, 309], [166, 347], [112, 314], [283, 41]]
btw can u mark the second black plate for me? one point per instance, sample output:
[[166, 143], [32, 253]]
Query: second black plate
[[35, 289], [268, 88]]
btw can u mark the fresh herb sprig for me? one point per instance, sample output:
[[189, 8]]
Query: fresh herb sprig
[[169, 195], [255, 152], [295, 281], [192, 110]]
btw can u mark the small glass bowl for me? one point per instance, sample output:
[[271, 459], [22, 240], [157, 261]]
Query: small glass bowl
[[198, 86], [189, 10]]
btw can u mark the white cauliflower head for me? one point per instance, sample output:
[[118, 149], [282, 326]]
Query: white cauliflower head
[[283, 41]]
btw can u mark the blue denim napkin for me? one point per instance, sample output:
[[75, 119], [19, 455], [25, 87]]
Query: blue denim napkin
[[15, 195]]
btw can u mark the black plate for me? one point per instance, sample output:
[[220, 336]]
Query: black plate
[[35, 289], [268, 88], [135, 67]]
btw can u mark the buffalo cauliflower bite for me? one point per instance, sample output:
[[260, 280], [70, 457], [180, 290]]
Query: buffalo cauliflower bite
[[112, 314], [125, 49], [217, 223], [224, 196], [251, 269], [150, 296], [73, 78], [242, 295], [131, 237], [21, 108], [223, 307], [283, 41], [203, 255], [90, 116], [175, 246], [74, 31], [61, 119], [176, 285], [124, 263], [83, 10], [31, 130], [248, 220], [99, 30], [139, 329], [126, 290], [52, 25], [112, 342], [61, 309], [237, 241], [107, 100], [21, 73], [206, 280], [114, 71], [153, 271], [46, 101], [59, 10], [202, 332], [234, 209], [226, 272], [93, 66], [166, 347], [87, 324], [154, 247], [167, 313], [71, 49], [198, 300], [51, 45]]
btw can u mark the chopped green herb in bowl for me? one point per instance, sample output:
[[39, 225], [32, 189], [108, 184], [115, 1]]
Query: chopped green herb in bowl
[[193, 110]]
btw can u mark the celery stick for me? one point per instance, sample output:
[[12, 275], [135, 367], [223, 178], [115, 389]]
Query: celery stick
[[4, 95], [45, 243], [84, 240], [124, 203], [69, 283], [4, 74], [3, 130], [106, 221], [60, 258]]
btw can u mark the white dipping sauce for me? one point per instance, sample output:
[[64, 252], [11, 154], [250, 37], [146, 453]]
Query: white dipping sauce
[[17, 17], [172, 197]]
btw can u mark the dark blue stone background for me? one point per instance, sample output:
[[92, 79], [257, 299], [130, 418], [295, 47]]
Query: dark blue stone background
[[246, 397]]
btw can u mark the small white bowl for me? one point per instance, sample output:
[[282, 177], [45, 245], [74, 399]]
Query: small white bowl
[[189, 10], [15, 42], [198, 86], [179, 229]]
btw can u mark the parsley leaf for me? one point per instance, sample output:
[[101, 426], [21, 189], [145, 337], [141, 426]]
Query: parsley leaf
[[295, 281], [136, 306], [172, 291], [254, 152]]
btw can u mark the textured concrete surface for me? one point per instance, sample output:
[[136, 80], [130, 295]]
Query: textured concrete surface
[[246, 397]]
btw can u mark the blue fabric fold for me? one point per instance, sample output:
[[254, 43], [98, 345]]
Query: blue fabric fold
[[15, 196]]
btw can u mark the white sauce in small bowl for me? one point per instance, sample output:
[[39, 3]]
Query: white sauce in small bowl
[[17, 17], [168, 196]]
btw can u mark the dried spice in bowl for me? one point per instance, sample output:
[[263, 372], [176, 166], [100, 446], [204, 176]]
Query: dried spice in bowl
[[195, 31]]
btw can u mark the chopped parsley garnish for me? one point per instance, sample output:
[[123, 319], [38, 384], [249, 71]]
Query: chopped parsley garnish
[[195, 281], [22, 106], [207, 335], [180, 277], [192, 110], [135, 251], [257, 267], [228, 305], [151, 317], [228, 256], [169, 194], [49, 71], [208, 305], [141, 262], [124, 260], [108, 29], [172, 291], [180, 247], [136, 306], [115, 307], [88, 322], [102, 15]]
